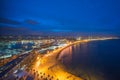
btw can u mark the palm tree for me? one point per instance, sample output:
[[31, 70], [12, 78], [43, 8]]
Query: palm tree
[[48, 75], [21, 78]]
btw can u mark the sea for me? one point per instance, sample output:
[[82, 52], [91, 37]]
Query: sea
[[94, 60]]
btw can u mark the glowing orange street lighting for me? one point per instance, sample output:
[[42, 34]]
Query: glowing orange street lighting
[[38, 58]]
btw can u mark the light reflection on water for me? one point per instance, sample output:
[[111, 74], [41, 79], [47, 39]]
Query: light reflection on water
[[96, 60], [67, 57]]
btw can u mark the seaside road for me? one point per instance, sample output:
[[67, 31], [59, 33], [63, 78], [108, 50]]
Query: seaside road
[[49, 65]]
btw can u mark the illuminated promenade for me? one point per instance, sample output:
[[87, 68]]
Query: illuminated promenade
[[49, 66]]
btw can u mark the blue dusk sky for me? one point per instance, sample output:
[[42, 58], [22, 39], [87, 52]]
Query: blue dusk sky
[[84, 16]]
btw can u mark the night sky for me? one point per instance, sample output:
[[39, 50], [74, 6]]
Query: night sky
[[84, 16]]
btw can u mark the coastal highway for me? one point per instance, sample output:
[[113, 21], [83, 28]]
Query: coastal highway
[[48, 65], [7, 67]]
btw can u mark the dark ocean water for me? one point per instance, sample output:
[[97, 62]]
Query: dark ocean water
[[96, 60]]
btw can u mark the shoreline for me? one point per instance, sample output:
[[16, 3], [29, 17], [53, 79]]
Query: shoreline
[[50, 65], [74, 43]]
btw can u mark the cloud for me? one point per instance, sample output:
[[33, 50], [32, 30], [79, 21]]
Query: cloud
[[33, 22], [8, 21]]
